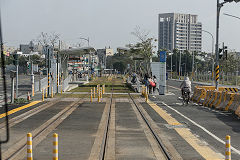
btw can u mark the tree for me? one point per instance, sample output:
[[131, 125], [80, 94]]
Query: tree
[[46, 39], [119, 66], [144, 47]]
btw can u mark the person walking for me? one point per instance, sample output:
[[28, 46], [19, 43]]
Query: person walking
[[154, 81]]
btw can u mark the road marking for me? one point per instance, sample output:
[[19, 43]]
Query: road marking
[[174, 87], [19, 108], [205, 151], [204, 129]]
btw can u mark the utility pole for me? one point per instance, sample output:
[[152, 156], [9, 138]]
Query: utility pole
[[219, 6], [193, 65], [57, 65], [12, 76], [180, 65], [31, 46], [171, 65], [17, 64], [48, 90]]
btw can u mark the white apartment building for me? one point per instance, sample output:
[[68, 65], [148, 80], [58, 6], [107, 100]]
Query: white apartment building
[[179, 31]]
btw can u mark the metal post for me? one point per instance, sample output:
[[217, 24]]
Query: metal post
[[135, 66], [219, 6], [12, 93], [180, 66], [237, 78], [17, 80], [48, 89], [192, 66], [32, 79], [171, 65], [57, 66]]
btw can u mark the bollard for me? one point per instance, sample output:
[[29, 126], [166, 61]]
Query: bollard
[[101, 91], [97, 89], [61, 90], [55, 146], [94, 92], [42, 94], [32, 90], [51, 92], [46, 93], [228, 148], [98, 96], [28, 97], [29, 147], [146, 94], [104, 89], [91, 96]]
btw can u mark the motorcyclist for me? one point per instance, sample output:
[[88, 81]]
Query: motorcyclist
[[186, 86]]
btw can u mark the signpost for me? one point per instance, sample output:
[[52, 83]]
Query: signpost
[[12, 76], [162, 84]]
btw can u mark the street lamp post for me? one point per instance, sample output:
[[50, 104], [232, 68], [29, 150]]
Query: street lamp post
[[237, 65], [180, 57], [171, 63], [219, 6], [87, 39], [212, 54]]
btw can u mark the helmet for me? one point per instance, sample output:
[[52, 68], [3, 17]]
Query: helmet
[[186, 79]]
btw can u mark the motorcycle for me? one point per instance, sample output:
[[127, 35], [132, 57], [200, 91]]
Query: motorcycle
[[186, 96]]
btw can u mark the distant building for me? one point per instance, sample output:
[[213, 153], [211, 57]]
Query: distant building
[[109, 52], [27, 48], [179, 31], [101, 53]]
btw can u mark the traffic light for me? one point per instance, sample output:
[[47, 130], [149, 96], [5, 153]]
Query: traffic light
[[220, 53], [225, 51], [15, 59]]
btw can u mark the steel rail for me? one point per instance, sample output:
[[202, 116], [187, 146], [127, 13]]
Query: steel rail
[[152, 131], [45, 128]]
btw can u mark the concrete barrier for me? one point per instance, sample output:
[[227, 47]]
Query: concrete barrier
[[210, 98], [227, 102], [237, 112], [236, 102], [214, 98], [229, 98], [196, 94], [206, 99], [202, 96], [222, 102], [217, 99]]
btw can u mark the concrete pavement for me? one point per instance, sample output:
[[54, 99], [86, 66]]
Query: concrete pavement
[[211, 126]]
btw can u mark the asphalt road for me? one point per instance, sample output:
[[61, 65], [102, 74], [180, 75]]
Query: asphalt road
[[211, 126]]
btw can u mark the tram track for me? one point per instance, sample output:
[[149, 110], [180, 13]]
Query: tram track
[[17, 151], [17, 119], [105, 137], [152, 131]]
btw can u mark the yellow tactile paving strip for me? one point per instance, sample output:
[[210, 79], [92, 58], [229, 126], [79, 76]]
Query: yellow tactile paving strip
[[204, 150], [19, 108]]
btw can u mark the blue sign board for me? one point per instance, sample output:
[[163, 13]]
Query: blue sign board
[[163, 56]]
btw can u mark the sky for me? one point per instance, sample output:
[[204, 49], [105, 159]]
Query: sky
[[110, 22]]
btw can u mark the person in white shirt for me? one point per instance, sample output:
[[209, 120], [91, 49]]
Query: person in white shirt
[[186, 85]]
